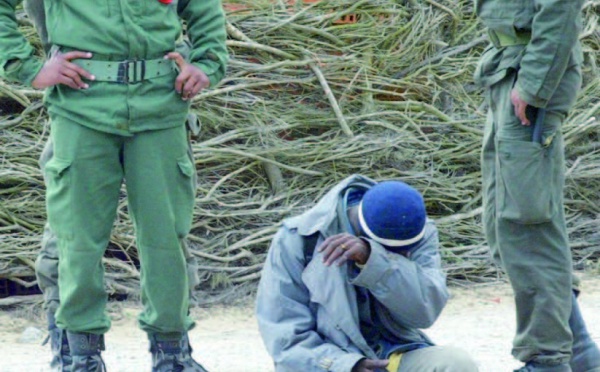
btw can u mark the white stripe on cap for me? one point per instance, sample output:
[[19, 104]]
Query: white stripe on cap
[[388, 242]]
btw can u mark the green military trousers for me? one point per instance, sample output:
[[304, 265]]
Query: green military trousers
[[46, 264], [524, 218], [83, 180]]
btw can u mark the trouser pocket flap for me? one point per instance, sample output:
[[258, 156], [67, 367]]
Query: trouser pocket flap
[[57, 166], [527, 194], [185, 166]]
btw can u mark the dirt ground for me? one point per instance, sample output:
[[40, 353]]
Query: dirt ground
[[479, 318]]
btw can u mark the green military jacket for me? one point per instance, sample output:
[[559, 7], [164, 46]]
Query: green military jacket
[[554, 26], [118, 30]]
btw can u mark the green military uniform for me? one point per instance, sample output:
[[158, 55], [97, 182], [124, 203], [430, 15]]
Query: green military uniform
[[46, 265], [132, 129], [535, 50]]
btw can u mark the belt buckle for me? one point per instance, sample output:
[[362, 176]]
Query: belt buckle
[[123, 72]]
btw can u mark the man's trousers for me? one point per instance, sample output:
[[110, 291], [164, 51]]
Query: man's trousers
[[524, 217], [84, 177]]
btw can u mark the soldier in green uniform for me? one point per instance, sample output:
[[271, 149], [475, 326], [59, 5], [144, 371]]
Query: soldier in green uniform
[[532, 71], [118, 108], [46, 265]]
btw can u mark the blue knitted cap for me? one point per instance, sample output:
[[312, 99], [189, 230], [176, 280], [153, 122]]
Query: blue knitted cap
[[393, 214]]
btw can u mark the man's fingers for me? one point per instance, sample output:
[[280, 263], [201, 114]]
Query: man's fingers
[[341, 248], [76, 54], [337, 252], [204, 80], [516, 110], [80, 70], [375, 364], [183, 74], [344, 247], [519, 106], [344, 257], [73, 75], [334, 239], [197, 88], [330, 244], [59, 70], [188, 88], [351, 253], [327, 242], [327, 248], [180, 81], [522, 115], [65, 80], [178, 58]]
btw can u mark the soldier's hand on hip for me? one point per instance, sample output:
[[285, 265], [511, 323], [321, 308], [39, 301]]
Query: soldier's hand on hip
[[59, 69], [340, 248], [520, 107], [191, 80], [370, 365]]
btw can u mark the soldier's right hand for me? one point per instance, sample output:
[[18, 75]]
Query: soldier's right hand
[[370, 365], [59, 69]]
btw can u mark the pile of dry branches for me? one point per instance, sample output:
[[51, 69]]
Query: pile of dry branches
[[316, 92]]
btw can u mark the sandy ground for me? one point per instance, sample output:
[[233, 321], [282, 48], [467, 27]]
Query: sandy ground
[[480, 319]]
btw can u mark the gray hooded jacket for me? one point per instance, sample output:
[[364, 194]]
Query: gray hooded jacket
[[307, 312]]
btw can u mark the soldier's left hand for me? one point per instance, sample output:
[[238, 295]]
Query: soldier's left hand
[[343, 247], [191, 80]]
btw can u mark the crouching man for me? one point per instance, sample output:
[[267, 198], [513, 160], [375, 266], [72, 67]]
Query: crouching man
[[348, 284]]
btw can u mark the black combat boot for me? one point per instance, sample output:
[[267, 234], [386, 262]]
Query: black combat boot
[[85, 352], [173, 356], [59, 345], [586, 356]]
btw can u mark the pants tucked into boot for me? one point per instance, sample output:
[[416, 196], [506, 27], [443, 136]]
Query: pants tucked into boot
[[59, 345], [172, 354], [85, 352]]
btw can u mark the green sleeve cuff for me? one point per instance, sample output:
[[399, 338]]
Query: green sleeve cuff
[[24, 71], [531, 99], [211, 69]]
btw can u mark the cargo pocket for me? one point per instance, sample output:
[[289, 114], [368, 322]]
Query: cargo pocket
[[528, 193], [190, 152], [185, 166], [185, 198], [58, 195]]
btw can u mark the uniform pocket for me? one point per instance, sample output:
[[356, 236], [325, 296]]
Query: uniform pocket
[[185, 166], [528, 193], [56, 167], [184, 196], [191, 157], [58, 195]]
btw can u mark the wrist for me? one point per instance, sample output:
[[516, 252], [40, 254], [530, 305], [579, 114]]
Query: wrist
[[365, 253]]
